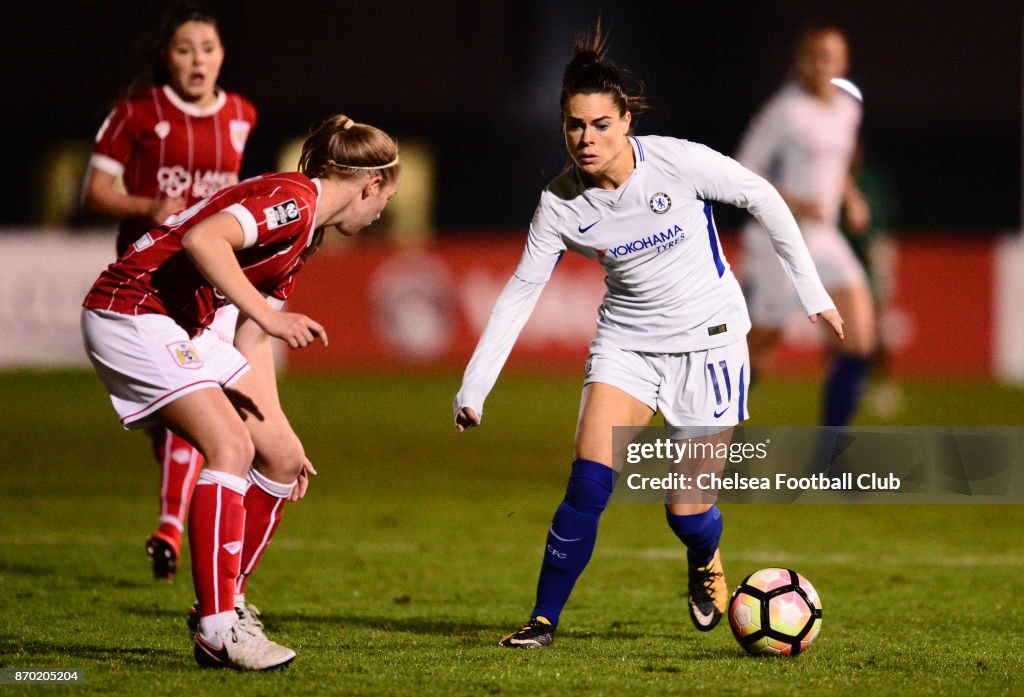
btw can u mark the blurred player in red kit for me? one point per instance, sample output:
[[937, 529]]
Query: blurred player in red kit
[[173, 143], [146, 327]]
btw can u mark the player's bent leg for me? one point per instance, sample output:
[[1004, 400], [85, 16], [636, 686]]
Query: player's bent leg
[[278, 460], [277, 463], [603, 408], [180, 464], [573, 531], [851, 363], [701, 532], [698, 525], [264, 507], [216, 524]]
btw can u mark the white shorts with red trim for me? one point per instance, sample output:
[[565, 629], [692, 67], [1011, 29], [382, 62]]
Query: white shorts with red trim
[[699, 393], [148, 361]]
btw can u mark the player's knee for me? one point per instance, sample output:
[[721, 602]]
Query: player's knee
[[232, 452], [590, 486], [688, 508], [283, 462]]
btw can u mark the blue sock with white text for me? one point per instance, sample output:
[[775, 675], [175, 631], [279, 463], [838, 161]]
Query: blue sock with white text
[[572, 536]]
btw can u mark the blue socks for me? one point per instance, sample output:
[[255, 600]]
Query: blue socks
[[700, 533], [572, 535], [843, 388]]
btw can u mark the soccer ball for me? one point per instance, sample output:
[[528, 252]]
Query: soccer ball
[[775, 612]]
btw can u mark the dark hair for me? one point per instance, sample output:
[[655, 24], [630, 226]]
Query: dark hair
[[343, 147], [590, 73], [178, 15]]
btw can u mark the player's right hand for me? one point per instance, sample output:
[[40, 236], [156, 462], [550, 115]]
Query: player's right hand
[[164, 208], [466, 418], [297, 330]]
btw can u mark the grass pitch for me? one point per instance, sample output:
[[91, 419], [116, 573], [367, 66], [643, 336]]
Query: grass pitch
[[417, 548]]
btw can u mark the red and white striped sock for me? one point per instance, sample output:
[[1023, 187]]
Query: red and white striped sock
[[264, 505], [181, 465], [215, 528]]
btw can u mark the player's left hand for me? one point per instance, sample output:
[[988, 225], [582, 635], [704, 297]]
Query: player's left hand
[[302, 483], [834, 320]]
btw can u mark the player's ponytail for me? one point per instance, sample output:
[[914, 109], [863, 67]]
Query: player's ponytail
[[589, 72], [342, 147]]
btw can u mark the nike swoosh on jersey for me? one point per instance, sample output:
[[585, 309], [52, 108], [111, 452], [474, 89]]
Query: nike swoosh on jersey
[[562, 539], [584, 229], [718, 414]]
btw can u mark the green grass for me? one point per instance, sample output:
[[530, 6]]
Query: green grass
[[417, 548]]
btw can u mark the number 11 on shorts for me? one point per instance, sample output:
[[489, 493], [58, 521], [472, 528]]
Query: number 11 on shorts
[[718, 390]]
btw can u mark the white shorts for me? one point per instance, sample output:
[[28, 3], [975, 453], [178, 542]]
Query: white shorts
[[225, 321], [699, 393], [768, 291], [148, 361]]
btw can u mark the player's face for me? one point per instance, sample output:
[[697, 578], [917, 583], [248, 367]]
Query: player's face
[[822, 57], [595, 136], [367, 208], [194, 57]]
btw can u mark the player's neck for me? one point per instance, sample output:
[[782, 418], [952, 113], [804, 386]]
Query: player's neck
[[335, 196]]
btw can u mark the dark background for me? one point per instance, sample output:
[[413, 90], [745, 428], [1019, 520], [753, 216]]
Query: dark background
[[479, 81]]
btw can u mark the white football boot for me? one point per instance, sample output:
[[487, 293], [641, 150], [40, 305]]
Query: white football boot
[[243, 646]]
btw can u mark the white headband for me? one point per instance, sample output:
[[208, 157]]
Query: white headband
[[332, 163]]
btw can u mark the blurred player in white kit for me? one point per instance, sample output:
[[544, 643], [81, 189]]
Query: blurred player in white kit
[[803, 140]]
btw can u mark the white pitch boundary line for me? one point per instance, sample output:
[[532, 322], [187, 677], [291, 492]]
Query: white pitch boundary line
[[650, 553], [678, 553]]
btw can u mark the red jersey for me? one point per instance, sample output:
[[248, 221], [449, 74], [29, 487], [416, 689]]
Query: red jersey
[[165, 148], [155, 275]]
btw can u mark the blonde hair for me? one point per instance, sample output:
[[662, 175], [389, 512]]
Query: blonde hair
[[341, 147]]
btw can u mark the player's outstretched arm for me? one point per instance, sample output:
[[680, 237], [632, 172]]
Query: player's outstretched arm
[[211, 245], [510, 312]]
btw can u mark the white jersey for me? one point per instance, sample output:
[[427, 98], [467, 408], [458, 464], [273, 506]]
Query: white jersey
[[804, 145], [669, 286]]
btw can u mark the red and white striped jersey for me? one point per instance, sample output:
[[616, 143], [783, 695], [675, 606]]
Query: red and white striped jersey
[[166, 147], [155, 275]]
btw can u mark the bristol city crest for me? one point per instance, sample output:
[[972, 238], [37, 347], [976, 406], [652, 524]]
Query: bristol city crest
[[660, 202], [239, 133], [185, 355]]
